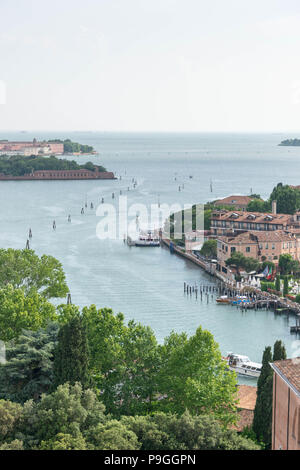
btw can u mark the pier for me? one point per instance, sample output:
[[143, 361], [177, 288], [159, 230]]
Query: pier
[[255, 298]]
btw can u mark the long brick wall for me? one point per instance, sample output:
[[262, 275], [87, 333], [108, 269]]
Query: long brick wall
[[53, 175]]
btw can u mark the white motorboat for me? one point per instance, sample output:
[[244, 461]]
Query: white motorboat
[[243, 366], [148, 238]]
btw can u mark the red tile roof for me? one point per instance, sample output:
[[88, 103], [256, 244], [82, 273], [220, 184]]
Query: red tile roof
[[247, 397], [254, 217], [259, 237], [244, 200]]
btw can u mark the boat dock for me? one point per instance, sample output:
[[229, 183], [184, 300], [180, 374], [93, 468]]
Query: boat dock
[[256, 299]]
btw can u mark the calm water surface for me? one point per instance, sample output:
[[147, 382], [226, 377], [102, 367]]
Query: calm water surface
[[147, 284]]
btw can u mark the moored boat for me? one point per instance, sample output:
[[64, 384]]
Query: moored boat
[[223, 300], [243, 366], [148, 238]]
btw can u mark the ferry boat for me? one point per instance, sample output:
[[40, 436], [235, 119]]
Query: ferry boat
[[148, 238], [243, 366]]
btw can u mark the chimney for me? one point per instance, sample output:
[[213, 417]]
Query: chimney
[[274, 207]]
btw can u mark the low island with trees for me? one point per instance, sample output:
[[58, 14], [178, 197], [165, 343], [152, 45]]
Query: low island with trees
[[290, 143], [74, 147], [19, 167]]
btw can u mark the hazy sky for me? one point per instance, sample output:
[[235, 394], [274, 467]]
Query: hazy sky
[[144, 65]]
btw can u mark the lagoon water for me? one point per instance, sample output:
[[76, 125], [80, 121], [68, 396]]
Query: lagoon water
[[147, 284]]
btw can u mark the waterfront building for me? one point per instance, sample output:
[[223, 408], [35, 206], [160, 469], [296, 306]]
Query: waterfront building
[[286, 405], [81, 174], [31, 148], [237, 202], [225, 222], [263, 246]]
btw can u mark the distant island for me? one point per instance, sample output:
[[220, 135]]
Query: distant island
[[290, 143], [50, 147], [74, 147], [20, 167]]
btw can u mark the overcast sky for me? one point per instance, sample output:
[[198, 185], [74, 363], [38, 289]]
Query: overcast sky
[[150, 65]]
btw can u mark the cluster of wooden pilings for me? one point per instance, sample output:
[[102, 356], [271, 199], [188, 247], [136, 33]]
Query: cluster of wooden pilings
[[202, 291]]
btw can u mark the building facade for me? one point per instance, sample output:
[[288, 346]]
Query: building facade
[[286, 405], [31, 148], [232, 222], [81, 174]]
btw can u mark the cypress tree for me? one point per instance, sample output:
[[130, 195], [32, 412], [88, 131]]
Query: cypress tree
[[285, 285], [277, 283], [71, 356], [279, 351], [262, 422]]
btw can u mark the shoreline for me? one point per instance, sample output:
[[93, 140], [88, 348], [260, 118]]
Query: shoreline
[[287, 304]]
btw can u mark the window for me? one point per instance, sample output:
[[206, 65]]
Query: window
[[267, 246], [248, 249], [232, 249]]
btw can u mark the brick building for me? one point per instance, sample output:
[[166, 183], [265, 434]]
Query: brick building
[[81, 174], [31, 148], [238, 202], [230, 222], [286, 405], [263, 246]]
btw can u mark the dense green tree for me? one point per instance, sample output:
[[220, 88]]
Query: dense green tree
[[258, 205], [186, 432], [209, 249], [24, 269], [279, 351], [288, 199], [277, 283], [19, 311], [70, 410], [10, 418], [262, 422], [28, 371], [285, 285], [73, 419], [113, 435], [240, 261], [16, 444], [287, 264], [65, 442], [124, 358], [71, 355], [194, 377], [18, 165]]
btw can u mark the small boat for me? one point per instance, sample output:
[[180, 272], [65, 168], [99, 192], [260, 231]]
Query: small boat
[[148, 238], [240, 299], [223, 300], [243, 366]]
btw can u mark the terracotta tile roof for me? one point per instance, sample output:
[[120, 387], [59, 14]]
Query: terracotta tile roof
[[234, 200], [276, 236], [259, 237], [289, 370], [251, 217], [245, 420], [244, 237], [247, 397]]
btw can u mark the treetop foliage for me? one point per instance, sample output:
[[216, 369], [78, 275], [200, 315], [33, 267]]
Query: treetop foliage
[[18, 165]]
